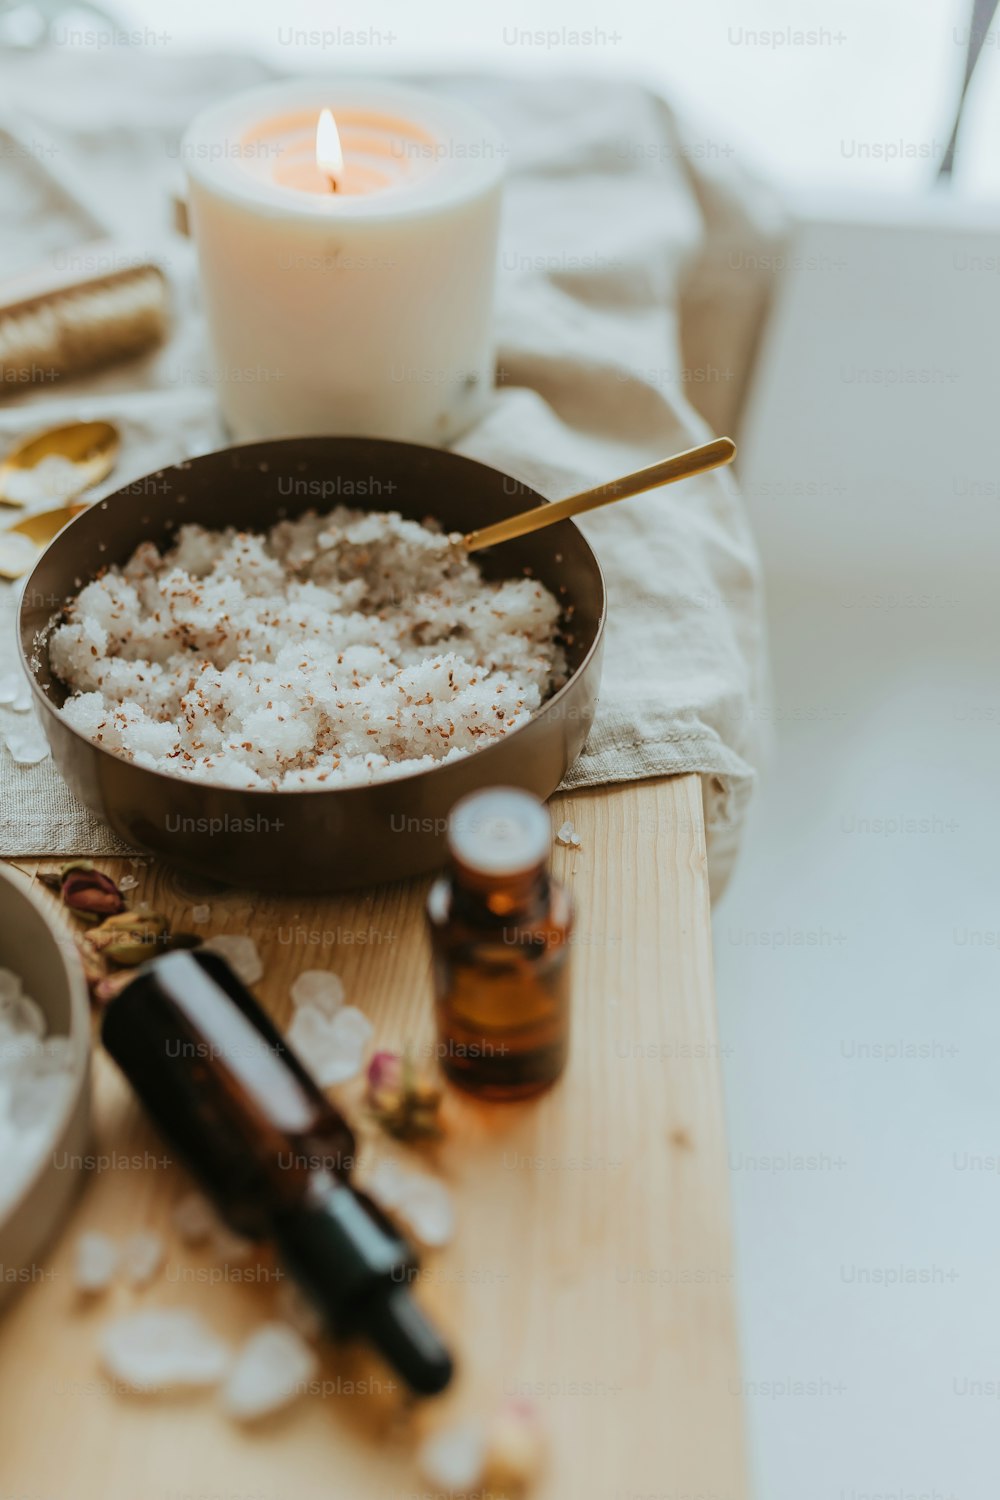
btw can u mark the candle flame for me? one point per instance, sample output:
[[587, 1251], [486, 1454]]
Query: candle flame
[[329, 156]]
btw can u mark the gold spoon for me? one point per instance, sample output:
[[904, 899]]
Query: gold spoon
[[694, 461], [91, 448]]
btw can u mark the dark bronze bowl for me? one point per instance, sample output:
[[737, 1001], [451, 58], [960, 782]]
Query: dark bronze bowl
[[315, 840]]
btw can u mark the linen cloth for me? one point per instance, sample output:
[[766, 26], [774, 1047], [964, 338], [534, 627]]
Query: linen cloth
[[621, 305]]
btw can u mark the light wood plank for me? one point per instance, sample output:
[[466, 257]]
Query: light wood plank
[[592, 1265]]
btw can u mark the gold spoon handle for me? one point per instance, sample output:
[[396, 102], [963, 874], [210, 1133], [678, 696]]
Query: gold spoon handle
[[695, 461]]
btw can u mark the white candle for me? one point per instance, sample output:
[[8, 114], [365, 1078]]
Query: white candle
[[347, 259]]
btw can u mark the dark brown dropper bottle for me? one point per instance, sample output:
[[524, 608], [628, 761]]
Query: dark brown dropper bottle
[[500, 932], [270, 1150]]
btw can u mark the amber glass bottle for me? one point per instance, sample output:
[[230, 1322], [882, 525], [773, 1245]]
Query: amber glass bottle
[[270, 1150], [500, 933]]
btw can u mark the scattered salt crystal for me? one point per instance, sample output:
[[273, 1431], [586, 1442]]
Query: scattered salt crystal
[[387, 1183], [452, 1460], [201, 914], [427, 1208], [567, 834], [332, 1048], [274, 1366], [21, 701], [296, 1309], [17, 554], [163, 1348], [142, 1256], [51, 479], [10, 686], [95, 1260], [27, 745], [240, 953], [319, 988], [127, 883], [423, 1203], [193, 1218], [230, 1246]]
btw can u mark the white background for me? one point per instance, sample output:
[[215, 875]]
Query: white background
[[880, 73]]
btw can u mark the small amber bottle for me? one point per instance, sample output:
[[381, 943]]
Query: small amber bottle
[[500, 933]]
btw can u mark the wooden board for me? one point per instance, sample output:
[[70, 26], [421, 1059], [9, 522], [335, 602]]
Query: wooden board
[[592, 1265]]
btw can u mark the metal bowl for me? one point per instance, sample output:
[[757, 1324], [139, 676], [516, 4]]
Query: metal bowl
[[313, 839], [42, 954]]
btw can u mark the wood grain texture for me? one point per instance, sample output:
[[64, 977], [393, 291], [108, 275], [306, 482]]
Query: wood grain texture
[[591, 1268]]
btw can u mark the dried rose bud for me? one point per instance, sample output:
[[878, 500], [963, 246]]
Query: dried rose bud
[[91, 895], [87, 892], [515, 1449], [404, 1100], [130, 938]]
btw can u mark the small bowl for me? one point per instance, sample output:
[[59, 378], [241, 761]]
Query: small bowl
[[314, 839], [35, 948]]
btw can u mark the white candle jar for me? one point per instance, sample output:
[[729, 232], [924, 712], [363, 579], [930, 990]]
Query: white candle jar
[[356, 299]]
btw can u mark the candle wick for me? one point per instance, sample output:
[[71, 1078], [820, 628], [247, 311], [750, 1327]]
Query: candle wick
[[333, 183]]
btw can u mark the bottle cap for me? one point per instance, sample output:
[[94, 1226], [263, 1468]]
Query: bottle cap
[[501, 831]]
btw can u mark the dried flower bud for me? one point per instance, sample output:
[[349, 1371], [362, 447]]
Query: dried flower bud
[[87, 892], [515, 1449], [404, 1100], [130, 938]]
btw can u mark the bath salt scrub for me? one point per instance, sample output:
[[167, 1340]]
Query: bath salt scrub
[[333, 651], [36, 1081]]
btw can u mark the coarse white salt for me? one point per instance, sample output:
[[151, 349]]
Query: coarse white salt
[[142, 1257], [50, 480], [297, 1309], [240, 953], [274, 1366], [229, 1246], [36, 1081], [332, 1048], [452, 1460], [27, 744], [194, 1218], [334, 651], [162, 1349], [95, 1260], [127, 883], [320, 989], [427, 1208], [201, 914], [423, 1203]]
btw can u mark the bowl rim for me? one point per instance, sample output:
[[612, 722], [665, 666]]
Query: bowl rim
[[79, 1034], [441, 768]]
